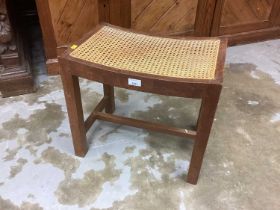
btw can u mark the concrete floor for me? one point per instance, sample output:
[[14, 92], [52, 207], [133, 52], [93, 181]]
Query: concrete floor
[[131, 169]]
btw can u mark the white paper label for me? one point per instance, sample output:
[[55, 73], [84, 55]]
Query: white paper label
[[134, 82]]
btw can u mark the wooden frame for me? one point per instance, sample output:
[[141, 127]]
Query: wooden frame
[[204, 17], [207, 90], [50, 44], [51, 47], [218, 30]]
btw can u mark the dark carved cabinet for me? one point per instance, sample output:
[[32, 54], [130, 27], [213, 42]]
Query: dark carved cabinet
[[15, 76]]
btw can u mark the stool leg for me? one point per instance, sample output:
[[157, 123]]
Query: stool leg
[[206, 116], [75, 112], [109, 93]]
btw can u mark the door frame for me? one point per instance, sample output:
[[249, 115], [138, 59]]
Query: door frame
[[204, 17]]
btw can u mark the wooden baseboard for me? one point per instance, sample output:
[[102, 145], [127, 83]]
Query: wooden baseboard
[[253, 36], [52, 66], [14, 85]]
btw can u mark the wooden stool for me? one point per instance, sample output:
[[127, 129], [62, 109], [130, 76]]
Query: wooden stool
[[182, 67]]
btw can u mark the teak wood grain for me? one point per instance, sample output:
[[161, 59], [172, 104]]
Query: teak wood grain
[[164, 17], [207, 90]]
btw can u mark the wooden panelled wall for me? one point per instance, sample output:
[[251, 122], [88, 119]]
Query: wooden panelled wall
[[172, 17], [244, 12], [64, 21], [246, 20], [72, 18]]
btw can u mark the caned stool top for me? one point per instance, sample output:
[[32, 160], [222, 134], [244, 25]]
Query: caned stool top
[[161, 56]]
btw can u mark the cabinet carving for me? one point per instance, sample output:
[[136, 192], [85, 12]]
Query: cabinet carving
[[5, 31]]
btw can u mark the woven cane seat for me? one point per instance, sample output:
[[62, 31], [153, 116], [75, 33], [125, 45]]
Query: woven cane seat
[[125, 50]]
